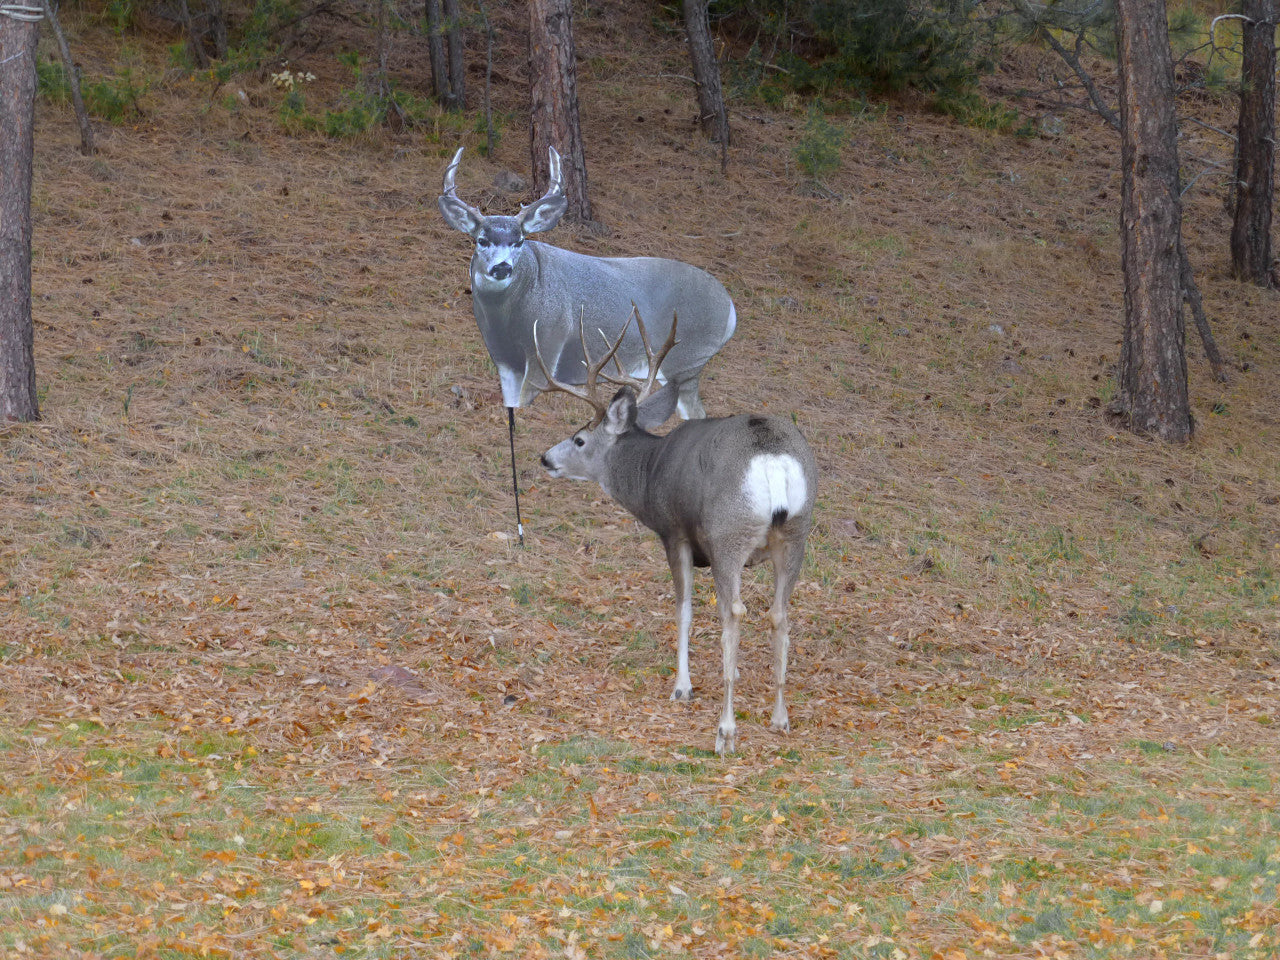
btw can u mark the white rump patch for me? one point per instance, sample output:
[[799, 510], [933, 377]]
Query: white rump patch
[[774, 482]]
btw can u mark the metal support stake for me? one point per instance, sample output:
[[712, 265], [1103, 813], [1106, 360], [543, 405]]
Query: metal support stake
[[515, 486]]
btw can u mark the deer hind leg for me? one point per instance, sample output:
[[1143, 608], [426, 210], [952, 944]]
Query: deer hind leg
[[680, 556], [729, 599], [787, 555]]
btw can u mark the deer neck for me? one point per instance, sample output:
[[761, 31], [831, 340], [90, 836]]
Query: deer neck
[[628, 478]]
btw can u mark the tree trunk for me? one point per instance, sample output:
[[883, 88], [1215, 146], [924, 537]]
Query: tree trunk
[[195, 39], [1191, 290], [1153, 363], [553, 96], [488, 79], [18, 39], [706, 74], [73, 79], [457, 60], [435, 52], [218, 27], [380, 82], [1256, 149]]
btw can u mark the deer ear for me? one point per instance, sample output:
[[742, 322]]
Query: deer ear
[[654, 411], [543, 214], [621, 415], [460, 216]]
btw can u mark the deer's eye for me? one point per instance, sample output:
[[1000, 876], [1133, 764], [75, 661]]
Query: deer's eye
[[579, 442], [482, 242]]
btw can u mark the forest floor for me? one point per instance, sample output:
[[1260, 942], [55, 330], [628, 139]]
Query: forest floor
[[279, 682]]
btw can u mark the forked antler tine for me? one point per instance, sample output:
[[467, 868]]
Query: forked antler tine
[[590, 393], [594, 369], [644, 388]]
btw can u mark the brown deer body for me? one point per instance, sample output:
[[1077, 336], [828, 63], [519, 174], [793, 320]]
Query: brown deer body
[[722, 492]]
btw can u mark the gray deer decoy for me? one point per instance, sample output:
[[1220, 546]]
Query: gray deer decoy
[[516, 283], [724, 492]]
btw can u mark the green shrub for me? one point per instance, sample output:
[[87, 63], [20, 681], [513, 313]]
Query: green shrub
[[121, 15], [115, 98], [112, 99], [827, 47], [363, 109], [818, 152], [974, 110], [51, 81]]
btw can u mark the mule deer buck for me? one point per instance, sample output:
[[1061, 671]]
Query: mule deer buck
[[725, 493]]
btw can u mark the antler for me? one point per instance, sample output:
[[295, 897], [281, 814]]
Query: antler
[[451, 199], [450, 187], [644, 388], [555, 181], [590, 391]]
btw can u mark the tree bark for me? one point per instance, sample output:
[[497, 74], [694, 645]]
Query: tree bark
[[457, 59], [218, 27], [1255, 149], [195, 40], [17, 142], [553, 98], [1153, 363], [436, 54], [1191, 290], [712, 116], [488, 79]]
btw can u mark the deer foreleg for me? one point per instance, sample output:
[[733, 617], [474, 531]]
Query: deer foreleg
[[680, 556]]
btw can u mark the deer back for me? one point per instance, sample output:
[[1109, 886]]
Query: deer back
[[715, 481]]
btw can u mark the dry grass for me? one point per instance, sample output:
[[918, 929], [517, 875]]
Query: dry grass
[[265, 519]]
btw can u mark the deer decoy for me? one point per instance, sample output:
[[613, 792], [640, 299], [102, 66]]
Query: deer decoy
[[517, 283], [724, 492]]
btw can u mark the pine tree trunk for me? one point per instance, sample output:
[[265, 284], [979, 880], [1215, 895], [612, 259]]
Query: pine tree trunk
[[217, 27], [457, 60], [435, 53], [712, 115], [1153, 364], [1255, 154], [17, 141], [553, 96], [195, 41]]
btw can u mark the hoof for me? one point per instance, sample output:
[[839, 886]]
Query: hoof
[[682, 694], [725, 741], [780, 722]]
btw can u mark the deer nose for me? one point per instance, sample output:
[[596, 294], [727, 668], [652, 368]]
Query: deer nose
[[545, 462], [500, 271]]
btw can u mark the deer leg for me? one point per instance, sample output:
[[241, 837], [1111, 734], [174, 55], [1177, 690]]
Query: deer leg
[[680, 556], [787, 557], [689, 403], [729, 599]]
